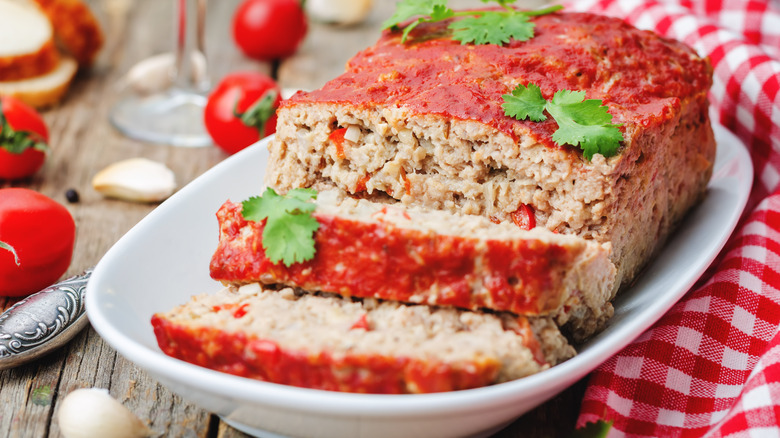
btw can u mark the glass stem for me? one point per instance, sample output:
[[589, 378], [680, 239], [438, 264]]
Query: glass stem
[[190, 72]]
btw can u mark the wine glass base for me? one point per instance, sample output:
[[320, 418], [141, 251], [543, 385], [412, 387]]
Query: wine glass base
[[174, 118]]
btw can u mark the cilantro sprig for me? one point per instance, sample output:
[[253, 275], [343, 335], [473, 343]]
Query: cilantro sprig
[[290, 226], [478, 27], [11, 249], [581, 122]]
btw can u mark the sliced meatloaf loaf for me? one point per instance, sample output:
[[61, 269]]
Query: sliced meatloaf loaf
[[367, 249], [339, 344], [422, 122]]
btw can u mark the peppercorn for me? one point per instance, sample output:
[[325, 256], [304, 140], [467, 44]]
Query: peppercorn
[[72, 196]]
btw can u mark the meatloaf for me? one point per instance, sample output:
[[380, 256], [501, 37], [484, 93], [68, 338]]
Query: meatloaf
[[339, 344], [421, 122], [368, 249]]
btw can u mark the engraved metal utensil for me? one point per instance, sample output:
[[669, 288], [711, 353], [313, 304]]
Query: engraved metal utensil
[[43, 321]]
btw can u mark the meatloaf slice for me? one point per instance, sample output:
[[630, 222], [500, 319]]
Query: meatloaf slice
[[339, 344], [368, 249], [422, 122]]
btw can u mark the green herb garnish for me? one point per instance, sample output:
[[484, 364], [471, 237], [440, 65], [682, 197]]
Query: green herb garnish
[[599, 429], [42, 396], [11, 249], [289, 226], [479, 27], [581, 122]]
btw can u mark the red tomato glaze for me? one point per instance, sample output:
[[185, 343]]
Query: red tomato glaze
[[376, 259], [262, 359], [638, 74]]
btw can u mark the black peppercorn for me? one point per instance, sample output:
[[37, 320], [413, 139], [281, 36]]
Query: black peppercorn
[[72, 196]]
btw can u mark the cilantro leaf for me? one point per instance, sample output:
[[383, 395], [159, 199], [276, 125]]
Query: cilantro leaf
[[525, 102], [493, 27], [599, 429], [581, 122], [479, 27], [11, 249], [407, 9], [290, 226], [585, 123]]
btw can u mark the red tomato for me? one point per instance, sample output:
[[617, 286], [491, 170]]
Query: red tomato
[[23, 138], [269, 29], [41, 233], [240, 108]]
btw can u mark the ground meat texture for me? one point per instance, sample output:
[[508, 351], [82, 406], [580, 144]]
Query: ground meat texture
[[422, 123], [368, 249], [339, 344]]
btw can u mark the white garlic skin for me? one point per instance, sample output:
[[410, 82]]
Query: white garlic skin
[[345, 12], [135, 179], [155, 73], [92, 412]]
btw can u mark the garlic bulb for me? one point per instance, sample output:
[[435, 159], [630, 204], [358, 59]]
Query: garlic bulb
[[92, 412], [338, 11], [135, 179]]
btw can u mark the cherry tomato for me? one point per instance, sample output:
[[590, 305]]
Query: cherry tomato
[[241, 107], [40, 233], [23, 138], [269, 29]]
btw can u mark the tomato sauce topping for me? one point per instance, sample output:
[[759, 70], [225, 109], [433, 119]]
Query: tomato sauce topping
[[639, 75], [263, 359], [369, 259]]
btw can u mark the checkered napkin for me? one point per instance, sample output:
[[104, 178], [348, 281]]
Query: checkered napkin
[[711, 365]]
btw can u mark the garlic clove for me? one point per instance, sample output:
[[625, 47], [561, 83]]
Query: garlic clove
[[92, 412], [135, 179], [345, 12], [155, 73]]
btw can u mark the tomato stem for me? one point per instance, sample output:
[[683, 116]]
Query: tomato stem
[[258, 114], [17, 142], [10, 248]]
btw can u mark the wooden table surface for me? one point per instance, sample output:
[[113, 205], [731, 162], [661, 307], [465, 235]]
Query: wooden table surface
[[83, 142]]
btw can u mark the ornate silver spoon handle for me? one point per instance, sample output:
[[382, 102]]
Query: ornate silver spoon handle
[[43, 321]]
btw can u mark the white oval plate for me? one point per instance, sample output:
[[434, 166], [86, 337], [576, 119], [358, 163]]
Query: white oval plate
[[164, 260]]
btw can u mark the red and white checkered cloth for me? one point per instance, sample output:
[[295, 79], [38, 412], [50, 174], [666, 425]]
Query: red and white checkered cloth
[[711, 365]]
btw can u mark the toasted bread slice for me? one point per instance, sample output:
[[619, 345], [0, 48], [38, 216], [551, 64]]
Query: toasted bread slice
[[75, 28], [26, 42], [45, 90]]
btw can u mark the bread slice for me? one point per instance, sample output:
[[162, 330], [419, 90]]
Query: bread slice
[[76, 28], [26, 42], [369, 249], [423, 123], [46, 90], [370, 346]]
